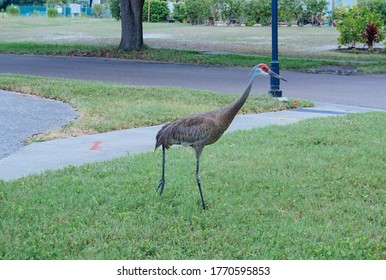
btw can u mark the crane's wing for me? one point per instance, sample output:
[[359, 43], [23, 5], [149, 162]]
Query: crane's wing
[[186, 131]]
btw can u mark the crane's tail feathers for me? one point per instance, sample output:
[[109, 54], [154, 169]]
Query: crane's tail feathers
[[163, 137]]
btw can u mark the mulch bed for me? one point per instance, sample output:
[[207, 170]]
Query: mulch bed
[[379, 51]]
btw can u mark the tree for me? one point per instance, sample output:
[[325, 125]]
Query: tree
[[258, 11], [179, 12], [5, 3], [316, 9], [290, 9], [115, 9], [227, 9], [198, 10], [97, 10], [131, 23]]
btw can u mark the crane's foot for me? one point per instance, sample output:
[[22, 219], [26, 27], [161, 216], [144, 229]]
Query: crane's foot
[[160, 186]]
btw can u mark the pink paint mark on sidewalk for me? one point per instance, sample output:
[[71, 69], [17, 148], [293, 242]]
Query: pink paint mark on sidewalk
[[96, 146]]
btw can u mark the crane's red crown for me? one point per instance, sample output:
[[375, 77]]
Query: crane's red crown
[[264, 67]]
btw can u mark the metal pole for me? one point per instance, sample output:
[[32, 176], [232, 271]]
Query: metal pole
[[275, 83]]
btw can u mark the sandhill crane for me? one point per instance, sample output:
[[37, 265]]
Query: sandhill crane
[[203, 129]]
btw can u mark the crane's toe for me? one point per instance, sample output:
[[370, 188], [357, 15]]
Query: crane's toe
[[160, 186]]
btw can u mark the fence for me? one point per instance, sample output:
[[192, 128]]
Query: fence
[[64, 11]]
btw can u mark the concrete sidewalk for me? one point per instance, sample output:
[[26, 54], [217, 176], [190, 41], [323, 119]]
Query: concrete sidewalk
[[57, 154]]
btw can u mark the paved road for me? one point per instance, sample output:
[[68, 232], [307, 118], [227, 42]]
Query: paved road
[[358, 89]]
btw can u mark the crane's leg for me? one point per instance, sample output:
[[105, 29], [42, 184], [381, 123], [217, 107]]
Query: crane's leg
[[198, 178], [161, 183]]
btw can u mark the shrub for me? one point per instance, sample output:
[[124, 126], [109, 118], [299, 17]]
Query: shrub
[[378, 6], [52, 13], [115, 9], [370, 34], [250, 23], [350, 27], [179, 12], [353, 23], [12, 10], [339, 14], [198, 11], [158, 11], [97, 10]]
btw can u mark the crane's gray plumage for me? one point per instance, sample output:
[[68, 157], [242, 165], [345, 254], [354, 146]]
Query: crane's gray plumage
[[203, 129]]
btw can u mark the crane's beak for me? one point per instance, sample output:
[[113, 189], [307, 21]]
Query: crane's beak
[[273, 74]]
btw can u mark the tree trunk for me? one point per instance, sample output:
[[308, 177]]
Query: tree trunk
[[131, 19]]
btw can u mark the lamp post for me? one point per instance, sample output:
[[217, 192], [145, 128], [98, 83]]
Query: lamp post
[[275, 83]]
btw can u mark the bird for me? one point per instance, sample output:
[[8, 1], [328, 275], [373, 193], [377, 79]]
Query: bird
[[202, 129]]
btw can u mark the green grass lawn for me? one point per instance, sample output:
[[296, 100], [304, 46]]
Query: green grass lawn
[[108, 106], [312, 190]]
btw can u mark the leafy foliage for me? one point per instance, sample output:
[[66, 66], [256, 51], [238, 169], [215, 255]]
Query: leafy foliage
[[52, 13], [350, 26], [5, 3], [180, 12], [115, 9], [97, 10], [13, 10], [315, 8], [198, 10], [251, 11], [288, 9], [227, 9], [352, 23], [375, 5], [370, 34], [258, 11], [158, 11]]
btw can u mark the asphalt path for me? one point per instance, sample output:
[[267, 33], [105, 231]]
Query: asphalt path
[[22, 116], [357, 89]]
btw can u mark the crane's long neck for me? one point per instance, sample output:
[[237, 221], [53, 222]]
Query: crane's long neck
[[229, 112]]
